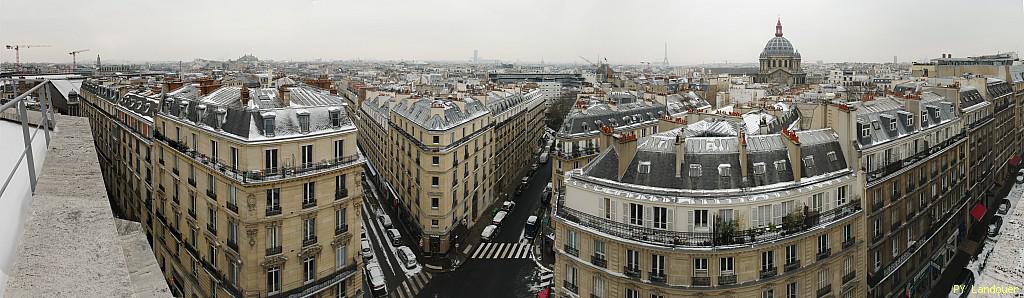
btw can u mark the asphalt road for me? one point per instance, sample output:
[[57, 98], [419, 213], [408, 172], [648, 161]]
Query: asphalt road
[[527, 203]]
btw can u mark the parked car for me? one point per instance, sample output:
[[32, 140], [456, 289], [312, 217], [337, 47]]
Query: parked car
[[534, 167], [376, 279], [508, 206], [407, 257], [531, 227], [396, 237], [545, 196], [1020, 179], [963, 284], [385, 220], [500, 216], [490, 231], [995, 226], [362, 232], [543, 157], [366, 250], [1003, 209]]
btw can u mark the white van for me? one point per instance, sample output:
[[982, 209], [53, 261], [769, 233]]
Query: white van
[[376, 280], [500, 216], [407, 257], [489, 233], [396, 237], [385, 220]]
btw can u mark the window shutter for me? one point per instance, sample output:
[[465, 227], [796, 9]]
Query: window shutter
[[828, 201], [669, 218], [777, 210], [757, 216], [611, 206], [689, 220], [648, 216], [602, 208], [625, 212]]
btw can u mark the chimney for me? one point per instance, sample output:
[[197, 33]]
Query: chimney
[[762, 126], [742, 139], [607, 138], [625, 147], [792, 142], [282, 93], [244, 96], [666, 123], [680, 153]]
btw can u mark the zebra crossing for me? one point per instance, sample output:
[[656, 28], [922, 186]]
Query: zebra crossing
[[412, 286], [503, 251]]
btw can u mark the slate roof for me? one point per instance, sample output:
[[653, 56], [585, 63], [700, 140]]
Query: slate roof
[[877, 117], [418, 110], [627, 111], [712, 163]]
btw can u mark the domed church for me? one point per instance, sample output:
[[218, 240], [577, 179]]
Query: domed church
[[780, 62]]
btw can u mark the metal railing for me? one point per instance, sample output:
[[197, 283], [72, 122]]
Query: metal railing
[[46, 115]]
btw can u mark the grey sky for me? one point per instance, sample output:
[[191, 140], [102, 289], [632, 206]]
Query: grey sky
[[526, 30]]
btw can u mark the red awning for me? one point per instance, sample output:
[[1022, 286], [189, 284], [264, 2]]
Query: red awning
[[1015, 160], [978, 212], [544, 293]]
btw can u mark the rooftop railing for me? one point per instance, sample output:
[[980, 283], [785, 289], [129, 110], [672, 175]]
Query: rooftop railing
[[22, 115], [717, 237]]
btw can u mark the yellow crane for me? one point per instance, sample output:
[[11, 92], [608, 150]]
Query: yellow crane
[[74, 60], [17, 53]]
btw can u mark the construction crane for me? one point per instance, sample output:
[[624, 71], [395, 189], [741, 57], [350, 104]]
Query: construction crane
[[588, 61], [17, 53], [74, 60]]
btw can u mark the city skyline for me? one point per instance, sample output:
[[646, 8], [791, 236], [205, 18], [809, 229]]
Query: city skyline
[[624, 33]]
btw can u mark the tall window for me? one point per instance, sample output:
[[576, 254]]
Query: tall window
[[633, 260], [340, 257], [841, 196], [570, 274], [700, 218], [339, 149], [270, 160], [340, 221], [661, 218], [233, 273], [791, 290], [273, 280], [309, 269], [232, 233], [309, 229], [824, 278], [339, 183], [658, 265], [307, 155], [636, 214], [599, 287], [273, 238], [818, 202], [273, 199], [791, 254], [822, 243], [769, 293], [570, 238], [726, 265], [700, 266], [232, 201], [309, 194], [234, 158], [632, 293], [213, 151], [211, 183], [599, 248], [767, 260]]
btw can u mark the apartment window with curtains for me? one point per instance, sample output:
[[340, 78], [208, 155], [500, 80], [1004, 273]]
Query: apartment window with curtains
[[339, 149], [307, 155], [213, 151]]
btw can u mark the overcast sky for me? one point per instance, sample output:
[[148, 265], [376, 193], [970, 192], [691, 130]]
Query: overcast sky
[[523, 30]]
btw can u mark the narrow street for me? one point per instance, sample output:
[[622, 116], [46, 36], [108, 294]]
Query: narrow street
[[400, 281]]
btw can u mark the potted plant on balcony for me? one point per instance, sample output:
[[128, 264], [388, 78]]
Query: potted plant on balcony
[[792, 222], [726, 230]]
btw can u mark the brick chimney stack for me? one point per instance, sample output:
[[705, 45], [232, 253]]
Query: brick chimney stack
[[244, 96], [283, 95], [625, 147]]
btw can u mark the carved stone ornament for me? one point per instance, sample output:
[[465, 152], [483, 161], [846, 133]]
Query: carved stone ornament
[[251, 200], [251, 231]]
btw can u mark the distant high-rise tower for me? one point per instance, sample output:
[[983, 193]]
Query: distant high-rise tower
[[476, 56], [97, 60], [666, 54], [895, 60]]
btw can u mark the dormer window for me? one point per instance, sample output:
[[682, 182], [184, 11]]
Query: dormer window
[[182, 108], [910, 120], [759, 168], [865, 130], [723, 170], [780, 166], [892, 125], [809, 162], [303, 116], [694, 170], [335, 116], [832, 156], [644, 167], [268, 124], [200, 113], [221, 115]]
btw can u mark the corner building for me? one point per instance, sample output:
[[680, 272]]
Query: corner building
[[706, 210], [256, 190]]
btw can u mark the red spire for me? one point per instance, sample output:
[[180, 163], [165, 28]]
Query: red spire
[[778, 28]]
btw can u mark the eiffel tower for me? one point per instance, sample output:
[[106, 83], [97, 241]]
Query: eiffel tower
[[666, 55]]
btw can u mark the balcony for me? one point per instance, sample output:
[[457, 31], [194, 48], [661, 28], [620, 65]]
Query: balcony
[[161, 161], [571, 287], [878, 236], [849, 242], [340, 193], [849, 276], [727, 279], [212, 229], [308, 204], [794, 265], [308, 241], [824, 291], [231, 206], [631, 271], [161, 187], [192, 213], [273, 210], [233, 245], [599, 261], [211, 193], [175, 171], [824, 254], [876, 205], [192, 181], [703, 239], [769, 272], [572, 251], [274, 250], [576, 153], [895, 226], [341, 229], [698, 281]]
